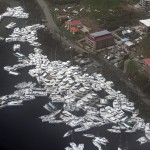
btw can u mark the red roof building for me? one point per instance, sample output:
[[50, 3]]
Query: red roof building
[[74, 23], [74, 30], [147, 65], [99, 40]]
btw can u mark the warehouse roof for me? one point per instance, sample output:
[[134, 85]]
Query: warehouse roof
[[100, 33], [146, 22]]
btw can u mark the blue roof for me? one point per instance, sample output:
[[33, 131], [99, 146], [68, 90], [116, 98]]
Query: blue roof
[[125, 40], [100, 33]]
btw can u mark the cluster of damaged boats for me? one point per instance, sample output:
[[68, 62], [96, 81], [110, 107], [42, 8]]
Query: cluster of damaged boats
[[67, 86], [16, 12]]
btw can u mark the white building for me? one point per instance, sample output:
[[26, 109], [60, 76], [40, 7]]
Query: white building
[[145, 23]]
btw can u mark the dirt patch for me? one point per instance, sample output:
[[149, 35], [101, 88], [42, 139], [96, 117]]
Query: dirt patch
[[93, 24]]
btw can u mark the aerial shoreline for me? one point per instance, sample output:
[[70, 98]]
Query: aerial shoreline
[[91, 97], [54, 30], [53, 27]]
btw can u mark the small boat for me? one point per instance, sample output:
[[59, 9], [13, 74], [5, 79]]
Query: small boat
[[114, 130], [142, 140], [147, 130], [11, 25], [14, 73], [68, 133], [89, 135], [16, 47]]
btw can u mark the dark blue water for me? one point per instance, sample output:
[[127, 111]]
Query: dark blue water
[[20, 127]]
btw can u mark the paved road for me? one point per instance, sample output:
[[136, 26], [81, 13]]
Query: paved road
[[50, 24]]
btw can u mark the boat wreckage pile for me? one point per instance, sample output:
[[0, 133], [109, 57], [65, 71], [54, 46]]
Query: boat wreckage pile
[[16, 12], [67, 86], [27, 34]]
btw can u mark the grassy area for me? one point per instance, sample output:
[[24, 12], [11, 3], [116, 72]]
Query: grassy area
[[132, 69], [102, 4], [122, 16], [112, 13], [99, 9], [145, 46], [139, 77]]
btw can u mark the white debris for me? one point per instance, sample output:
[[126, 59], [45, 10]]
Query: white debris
[[11, 25], [17, 12]]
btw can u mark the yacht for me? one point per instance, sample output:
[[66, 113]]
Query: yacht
[[16, 47], [14, 73], [68, 133], [96, 144], [11, 25], [89, 135], [15, 103], [114, 130], [142, 140]]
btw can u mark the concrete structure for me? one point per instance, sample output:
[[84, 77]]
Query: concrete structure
[[129, 44], [99, 40], [145, 23], [147, 65], [145, 4]]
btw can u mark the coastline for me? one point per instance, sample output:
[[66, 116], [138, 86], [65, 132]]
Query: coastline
[[55, 32], [30, 132], [52, 27]]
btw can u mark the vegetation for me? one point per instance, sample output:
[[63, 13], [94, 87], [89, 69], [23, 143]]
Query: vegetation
[[138, 76], [122, 16], [132, 69], [102, 4], [111, 14], [64, 1], [145, 46]]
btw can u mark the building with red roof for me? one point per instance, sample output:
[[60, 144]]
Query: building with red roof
[[99, 40], [74, 30], [147, 65], [73, 23]]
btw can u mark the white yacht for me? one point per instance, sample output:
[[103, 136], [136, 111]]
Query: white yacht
[[68, 133], [11, 25], [89, 135], [142, 140], [14, 73], [16, 47], [114, 130]]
